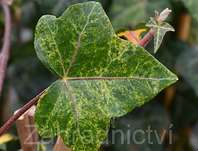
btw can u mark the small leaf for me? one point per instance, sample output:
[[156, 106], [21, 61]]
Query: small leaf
[[132, 36], [101, 76], [160, 30]]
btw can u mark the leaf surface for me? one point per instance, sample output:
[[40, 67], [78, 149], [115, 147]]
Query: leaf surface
[[101, 76]]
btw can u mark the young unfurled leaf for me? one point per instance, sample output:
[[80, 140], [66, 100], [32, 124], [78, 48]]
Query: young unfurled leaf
[[132, 36], [161, 28], [101, 76]]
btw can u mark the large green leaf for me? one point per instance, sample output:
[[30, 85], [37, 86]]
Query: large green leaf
[[126, 13], [101, 76], [192, 5]]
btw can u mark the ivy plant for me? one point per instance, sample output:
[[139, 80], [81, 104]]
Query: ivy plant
[[161, 29], [100, 76]]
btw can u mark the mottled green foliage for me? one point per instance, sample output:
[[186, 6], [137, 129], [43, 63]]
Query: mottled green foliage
[[101, 76], [161, 28], [192, 6], [126, 13]]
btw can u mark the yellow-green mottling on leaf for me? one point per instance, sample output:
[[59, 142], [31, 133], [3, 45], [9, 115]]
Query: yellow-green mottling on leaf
[[101, 76]]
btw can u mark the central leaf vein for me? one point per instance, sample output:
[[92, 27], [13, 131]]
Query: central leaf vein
[[72, 98]]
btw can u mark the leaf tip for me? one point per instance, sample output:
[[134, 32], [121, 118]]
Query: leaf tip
[[164, 14]]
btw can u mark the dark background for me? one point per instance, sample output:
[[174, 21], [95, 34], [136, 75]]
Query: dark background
[[174, 110]]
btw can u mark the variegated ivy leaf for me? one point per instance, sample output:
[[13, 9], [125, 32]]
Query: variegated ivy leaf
[[161, 28], [100, 76]]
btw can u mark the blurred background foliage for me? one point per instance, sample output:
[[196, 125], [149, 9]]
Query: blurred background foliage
[[174, 110]]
